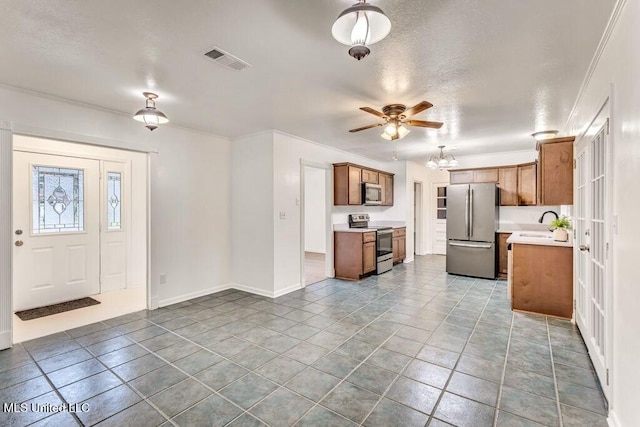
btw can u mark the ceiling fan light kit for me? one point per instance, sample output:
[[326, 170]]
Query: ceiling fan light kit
[[359, 26], [441, 161], [395, 116], [150, 115]]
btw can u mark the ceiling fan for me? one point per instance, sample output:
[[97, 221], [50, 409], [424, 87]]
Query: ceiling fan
[[395, 118]]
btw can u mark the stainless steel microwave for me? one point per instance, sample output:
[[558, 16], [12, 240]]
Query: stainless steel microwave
[[371, 194]]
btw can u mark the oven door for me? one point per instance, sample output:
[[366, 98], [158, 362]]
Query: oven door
[[384, 242]]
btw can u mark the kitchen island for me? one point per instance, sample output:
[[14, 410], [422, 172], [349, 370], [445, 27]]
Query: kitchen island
[[542, 274]]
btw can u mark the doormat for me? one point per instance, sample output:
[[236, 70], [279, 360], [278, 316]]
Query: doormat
[[36, 313]]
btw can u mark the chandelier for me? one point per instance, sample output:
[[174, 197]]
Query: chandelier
[[441, 161]]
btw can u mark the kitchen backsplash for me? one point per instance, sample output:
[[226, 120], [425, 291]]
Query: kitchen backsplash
[[527, 214]]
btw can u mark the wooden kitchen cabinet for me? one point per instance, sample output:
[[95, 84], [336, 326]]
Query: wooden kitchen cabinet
[[348, 179], [370, 176], [542, 279], [347, 188], [555, 171], [461, 176], [508, 183], [354, 254], [386, 181], [502, 255], [470, 176], [485, 175], [527, 184], [399, 244]]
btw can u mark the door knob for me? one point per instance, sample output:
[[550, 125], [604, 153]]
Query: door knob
[[18, 232], [584, 248], [19, 243]]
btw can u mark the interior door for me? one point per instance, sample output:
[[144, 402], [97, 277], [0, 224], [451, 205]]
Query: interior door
[[55, 216], [593, 294], [115, 218]]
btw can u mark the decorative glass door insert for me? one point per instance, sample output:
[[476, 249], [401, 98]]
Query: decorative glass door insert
[[114, 200], [58, 200]]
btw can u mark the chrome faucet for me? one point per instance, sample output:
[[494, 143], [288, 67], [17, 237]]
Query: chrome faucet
[[546, 212]]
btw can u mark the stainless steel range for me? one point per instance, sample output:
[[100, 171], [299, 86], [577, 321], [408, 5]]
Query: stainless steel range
[[384, 241]]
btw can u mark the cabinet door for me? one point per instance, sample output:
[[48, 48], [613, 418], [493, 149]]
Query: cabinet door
[[402, 247], [556, 173], [369, 176], [355, 188], [485, 175], [396, 249], [368, 257], [386, 181], [461, 177], [508, 182], [527, 194], [503, 265]]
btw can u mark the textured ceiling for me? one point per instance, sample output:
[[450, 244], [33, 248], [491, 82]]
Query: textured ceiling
[[495, 70]]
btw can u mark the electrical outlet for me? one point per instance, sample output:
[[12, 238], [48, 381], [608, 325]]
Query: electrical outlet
[[163, 279], [283, 215]]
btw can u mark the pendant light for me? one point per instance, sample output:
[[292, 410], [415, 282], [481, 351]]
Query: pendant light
[[442, 161], [150, 115], [359, 26]]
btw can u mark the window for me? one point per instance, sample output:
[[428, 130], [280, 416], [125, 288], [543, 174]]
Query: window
[[441, 207], [114, 200], [58, 200]]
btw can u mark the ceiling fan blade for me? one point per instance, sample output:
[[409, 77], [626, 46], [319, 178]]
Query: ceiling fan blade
[[374, 112], [366, 127], [417, 108], [423, 124]]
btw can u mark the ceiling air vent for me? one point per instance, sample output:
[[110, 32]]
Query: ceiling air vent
[[227, 60]]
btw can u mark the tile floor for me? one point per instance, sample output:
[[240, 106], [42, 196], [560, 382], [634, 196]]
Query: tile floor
[[412, 347]]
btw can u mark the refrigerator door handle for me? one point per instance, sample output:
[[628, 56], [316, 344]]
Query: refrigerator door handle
[[471, 213], [468, 245], [466, 213]]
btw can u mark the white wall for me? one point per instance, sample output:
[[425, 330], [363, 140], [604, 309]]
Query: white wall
[[190, 191], [252, 213], [315, 205], [617, 73]]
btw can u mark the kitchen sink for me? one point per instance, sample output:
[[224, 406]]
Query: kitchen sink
[[538, 235]]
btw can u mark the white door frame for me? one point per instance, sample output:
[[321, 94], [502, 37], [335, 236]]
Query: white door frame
[[602, 118], [418, 218], [7, 129], [328, 260]]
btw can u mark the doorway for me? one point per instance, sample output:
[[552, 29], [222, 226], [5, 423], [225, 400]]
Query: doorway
[[79, 232], [592, 256], [315, 235]]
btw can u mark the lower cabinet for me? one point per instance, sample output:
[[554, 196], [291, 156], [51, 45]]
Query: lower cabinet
[[502, 255], [542, 279], [399, 245], [354, 254]]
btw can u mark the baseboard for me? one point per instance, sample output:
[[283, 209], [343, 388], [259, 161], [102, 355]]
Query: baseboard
[[408, 260], [155, 303], [287, 290], [612, 420], [251, 290], [200, 293], [6, 339]]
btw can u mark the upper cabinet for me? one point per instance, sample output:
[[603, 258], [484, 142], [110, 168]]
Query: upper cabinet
[[508, 183], [348, 179], [555, 171], [527, 188]]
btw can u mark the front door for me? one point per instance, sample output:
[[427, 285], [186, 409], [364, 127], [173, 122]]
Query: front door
[[56, 249], [592, 287]]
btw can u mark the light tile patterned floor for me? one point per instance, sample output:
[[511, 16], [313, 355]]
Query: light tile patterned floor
[[411, 347]]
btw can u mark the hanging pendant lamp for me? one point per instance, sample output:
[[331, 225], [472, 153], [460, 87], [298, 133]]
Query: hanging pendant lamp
[[359, 26], [150, 115]]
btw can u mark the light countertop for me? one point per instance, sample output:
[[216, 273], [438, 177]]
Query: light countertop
[[534, 237]]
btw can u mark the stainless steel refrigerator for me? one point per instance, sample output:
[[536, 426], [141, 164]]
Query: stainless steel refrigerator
[[472, 220]]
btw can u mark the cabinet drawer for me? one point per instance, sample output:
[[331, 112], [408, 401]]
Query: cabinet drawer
[[369, 237], [397, 232]]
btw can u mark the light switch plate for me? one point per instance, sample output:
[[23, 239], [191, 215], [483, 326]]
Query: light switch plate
[[283, 215]]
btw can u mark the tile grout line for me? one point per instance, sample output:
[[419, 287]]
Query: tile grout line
[[553, 371], [504, 371]]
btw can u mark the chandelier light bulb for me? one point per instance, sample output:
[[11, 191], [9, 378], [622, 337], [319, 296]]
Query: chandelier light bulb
[[390, 129], [360, 32]]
